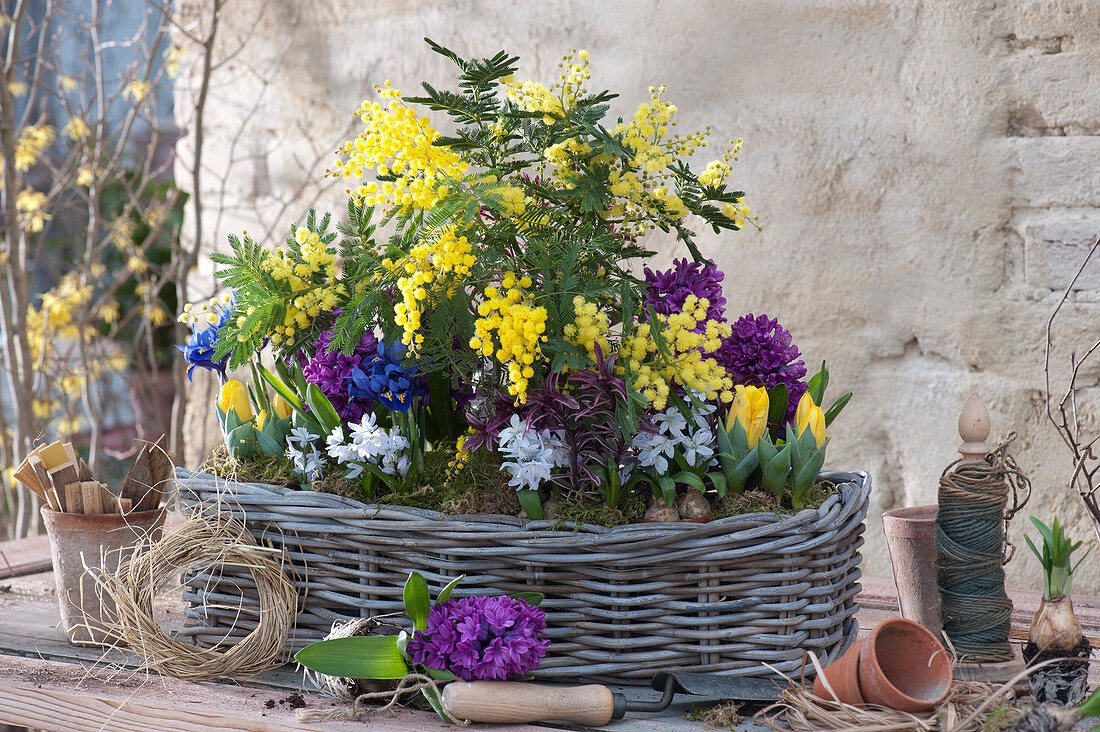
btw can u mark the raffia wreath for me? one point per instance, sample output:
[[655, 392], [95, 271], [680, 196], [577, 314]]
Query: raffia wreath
[[201, 542]]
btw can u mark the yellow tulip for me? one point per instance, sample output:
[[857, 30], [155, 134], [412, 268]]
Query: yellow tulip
[[809, 416], [750, 408], [234, 395], [281, 407], [261, 418]]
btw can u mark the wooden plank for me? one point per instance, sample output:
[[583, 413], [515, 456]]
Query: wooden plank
[[24, 556], [64, 697]]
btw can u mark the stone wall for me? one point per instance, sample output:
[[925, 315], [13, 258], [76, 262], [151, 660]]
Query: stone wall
[[926, 174]]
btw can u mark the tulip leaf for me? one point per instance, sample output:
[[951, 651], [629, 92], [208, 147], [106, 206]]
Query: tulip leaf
[[792, 442], [232, 420], [778, 396], [356, 657], [417, 601], [816, 384], [267, 444], [777, 470], [322, 408], [241, 442], [739, 438], [834, 410], [445, 593], [737, 477], [766, 450]]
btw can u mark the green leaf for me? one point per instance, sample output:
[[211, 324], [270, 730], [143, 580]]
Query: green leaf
[[778, 396], [417, 601], [284, 391], [1091, 707], [441, 675], [718, 480], [816, 384], [529, 500], [741, 472], [777, 470], [531, 598], [321, 407], [437, 704], [832, 412], [356, 657], [667, 487], [267, 444], [687, 478], [445, 593]]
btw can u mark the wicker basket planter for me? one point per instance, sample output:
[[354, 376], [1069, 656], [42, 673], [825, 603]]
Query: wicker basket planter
[[622, 603]]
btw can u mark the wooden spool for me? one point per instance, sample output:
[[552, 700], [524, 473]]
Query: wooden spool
[[974, 429]]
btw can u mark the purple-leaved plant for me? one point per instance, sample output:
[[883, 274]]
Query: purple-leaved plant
[[581, 406], [482, 638]]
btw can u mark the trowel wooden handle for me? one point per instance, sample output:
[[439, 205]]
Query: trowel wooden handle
[[513, 701]]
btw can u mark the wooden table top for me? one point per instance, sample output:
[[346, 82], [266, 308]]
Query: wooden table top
[[47, 683]]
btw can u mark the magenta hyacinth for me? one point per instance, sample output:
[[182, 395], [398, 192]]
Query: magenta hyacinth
[[482, 638], [330, 371], [759, 352], [666, 291]]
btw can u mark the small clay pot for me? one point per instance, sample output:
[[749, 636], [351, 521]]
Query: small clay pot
[[911, 538], [843, 675], [903, 666]]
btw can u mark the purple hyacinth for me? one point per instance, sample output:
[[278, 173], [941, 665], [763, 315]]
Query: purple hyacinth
[[759, 352], [330, 371], [666, 291], [482, 638]]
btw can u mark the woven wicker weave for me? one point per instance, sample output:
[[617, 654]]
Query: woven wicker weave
[[622, 603]]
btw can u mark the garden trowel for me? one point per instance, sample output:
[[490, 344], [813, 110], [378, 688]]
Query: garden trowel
[[592, 704]]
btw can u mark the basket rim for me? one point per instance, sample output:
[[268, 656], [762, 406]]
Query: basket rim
[[853, 489]]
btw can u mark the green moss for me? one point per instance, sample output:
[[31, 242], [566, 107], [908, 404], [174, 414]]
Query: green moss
[[278, 470], [482, 487], [1001, 717], [584, 510]]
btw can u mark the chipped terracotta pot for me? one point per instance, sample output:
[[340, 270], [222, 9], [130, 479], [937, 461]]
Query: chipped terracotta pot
[[82, 542], [903, 666], [843, 676]]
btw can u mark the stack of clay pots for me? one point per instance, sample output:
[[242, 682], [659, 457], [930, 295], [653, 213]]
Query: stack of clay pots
[[901, 665]]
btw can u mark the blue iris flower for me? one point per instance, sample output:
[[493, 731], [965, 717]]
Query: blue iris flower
[[383, 378], [200, 349]]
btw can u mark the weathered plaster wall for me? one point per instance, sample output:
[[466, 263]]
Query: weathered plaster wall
[[927, 174]]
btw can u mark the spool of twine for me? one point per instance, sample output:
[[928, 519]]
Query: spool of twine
[[972, 549]]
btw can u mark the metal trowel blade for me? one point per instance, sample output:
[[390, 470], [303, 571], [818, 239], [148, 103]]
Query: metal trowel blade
[[723, 687]]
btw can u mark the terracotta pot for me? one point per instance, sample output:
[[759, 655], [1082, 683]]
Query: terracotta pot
[[911, 537], [843, 676], [903, 666], [82, 542]]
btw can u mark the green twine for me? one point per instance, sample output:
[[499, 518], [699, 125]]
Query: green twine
[[971, 551]]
